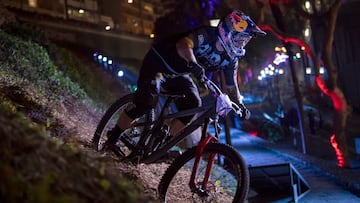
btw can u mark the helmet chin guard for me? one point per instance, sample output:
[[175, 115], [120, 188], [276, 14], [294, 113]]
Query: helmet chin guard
[[232, 53]]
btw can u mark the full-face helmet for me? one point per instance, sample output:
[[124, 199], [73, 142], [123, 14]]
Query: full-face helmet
[[235, 31]]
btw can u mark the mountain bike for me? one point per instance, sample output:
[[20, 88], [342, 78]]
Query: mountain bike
[[209, 172]]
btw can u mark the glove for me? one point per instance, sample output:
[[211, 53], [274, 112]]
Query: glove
[[245, 113], [197, 70]]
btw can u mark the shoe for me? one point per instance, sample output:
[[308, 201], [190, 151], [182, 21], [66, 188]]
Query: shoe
[[114, 134], [112, 138], [113, 148]]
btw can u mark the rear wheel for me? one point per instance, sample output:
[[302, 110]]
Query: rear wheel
[[129, 138], [228, 181]]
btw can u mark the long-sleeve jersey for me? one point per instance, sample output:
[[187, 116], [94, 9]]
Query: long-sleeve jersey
[[206, 54]]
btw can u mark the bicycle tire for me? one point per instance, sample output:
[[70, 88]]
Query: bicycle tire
[[108, 121], [177, 176]]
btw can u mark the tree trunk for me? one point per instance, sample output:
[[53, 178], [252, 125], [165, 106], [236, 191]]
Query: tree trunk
[[341, 109], [280, 24], [331, 88]]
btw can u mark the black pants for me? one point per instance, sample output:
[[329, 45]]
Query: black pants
[[149, 82]]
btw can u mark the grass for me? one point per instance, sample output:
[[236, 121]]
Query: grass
[[35, 165]]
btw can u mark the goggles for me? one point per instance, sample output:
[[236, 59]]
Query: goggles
[[239, 40]]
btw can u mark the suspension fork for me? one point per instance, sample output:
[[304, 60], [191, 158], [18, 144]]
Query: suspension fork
[[199, 151]]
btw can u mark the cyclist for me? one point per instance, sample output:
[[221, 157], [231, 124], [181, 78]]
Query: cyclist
[[201, 51]]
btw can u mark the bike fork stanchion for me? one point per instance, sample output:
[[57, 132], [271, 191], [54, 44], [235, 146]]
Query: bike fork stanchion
[[208, 170], [199, 152]]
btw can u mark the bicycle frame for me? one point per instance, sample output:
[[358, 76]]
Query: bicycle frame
[[202, 120], [153, 144]]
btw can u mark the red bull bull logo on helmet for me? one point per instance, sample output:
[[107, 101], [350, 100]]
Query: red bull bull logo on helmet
[[238, 22]]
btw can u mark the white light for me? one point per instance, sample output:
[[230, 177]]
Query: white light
[[214, 22], [260, 78], [110, 61], [308, 70], [120, 73], [266, 70], [130, 1], [307, 32], [104, 58], [281, 71], [81, 11], [307, 5], [298, 55], [280, 58], [107, 27], [271, 67], [100, 56], [322, 70]]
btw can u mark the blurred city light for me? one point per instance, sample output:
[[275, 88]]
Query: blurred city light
[[214, 22], [33, 3], [308, 70], [273, 68], [120, 73], [307, 32], [280, 58]]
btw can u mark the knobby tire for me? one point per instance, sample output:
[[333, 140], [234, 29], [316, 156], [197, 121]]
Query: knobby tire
[[234, 174], [104, 125]]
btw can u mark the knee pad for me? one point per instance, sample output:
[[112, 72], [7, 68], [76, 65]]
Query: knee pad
[[190, 101]]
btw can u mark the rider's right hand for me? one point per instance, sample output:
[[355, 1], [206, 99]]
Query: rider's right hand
[[245, 113]]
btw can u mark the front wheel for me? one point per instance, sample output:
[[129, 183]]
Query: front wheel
[[228, 181]]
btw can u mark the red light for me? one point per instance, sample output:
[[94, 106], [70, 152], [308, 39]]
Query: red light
[[335, 97], [339, 154], [254, 133]]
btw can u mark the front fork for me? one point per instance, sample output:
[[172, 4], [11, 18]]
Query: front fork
[[201, 189]]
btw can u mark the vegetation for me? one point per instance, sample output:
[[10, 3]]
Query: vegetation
[[38, 169], [39, 59], [36, 161]]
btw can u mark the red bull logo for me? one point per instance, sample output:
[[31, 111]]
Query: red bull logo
[[238, 22]]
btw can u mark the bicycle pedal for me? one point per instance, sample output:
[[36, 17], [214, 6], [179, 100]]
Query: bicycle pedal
[[113, 148]]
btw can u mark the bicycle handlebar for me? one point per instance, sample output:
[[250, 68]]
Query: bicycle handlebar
[[223, 101]]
